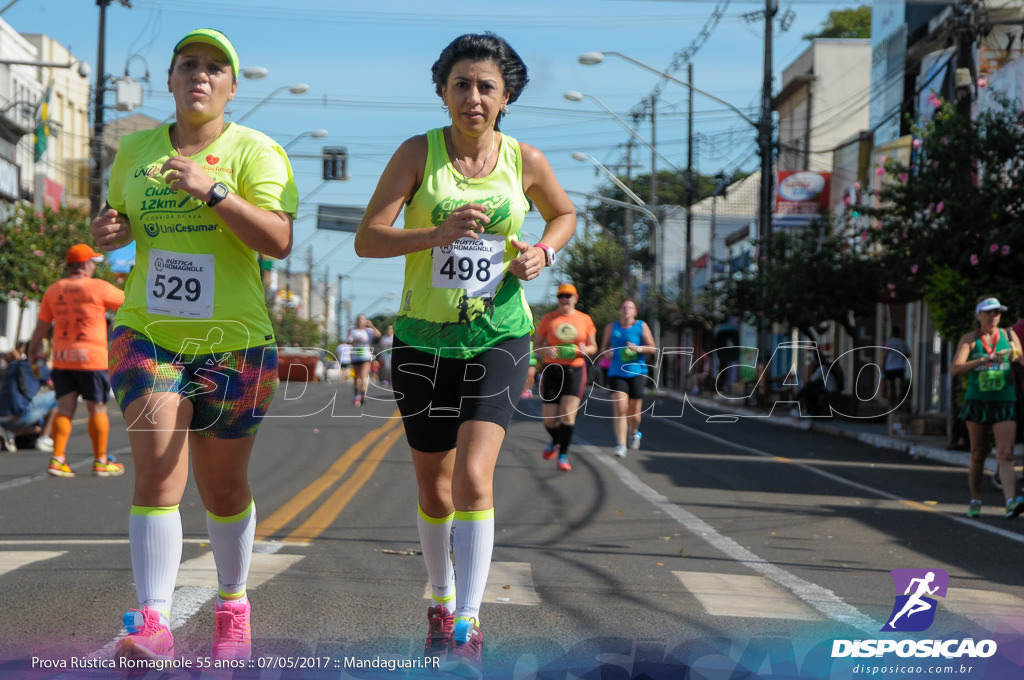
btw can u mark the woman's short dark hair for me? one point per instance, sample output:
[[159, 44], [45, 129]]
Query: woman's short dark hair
[[480, 46]]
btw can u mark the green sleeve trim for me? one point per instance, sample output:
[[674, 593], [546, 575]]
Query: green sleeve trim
[[141, 510], [244, 514], [434, 520], [474, 515]]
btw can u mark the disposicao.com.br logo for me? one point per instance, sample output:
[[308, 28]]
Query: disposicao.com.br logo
[[914, 610]]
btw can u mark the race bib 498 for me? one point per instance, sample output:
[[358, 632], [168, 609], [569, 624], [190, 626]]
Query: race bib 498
[[474, 265]]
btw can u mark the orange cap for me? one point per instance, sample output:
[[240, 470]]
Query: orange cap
[[82, 252], [567, 288]]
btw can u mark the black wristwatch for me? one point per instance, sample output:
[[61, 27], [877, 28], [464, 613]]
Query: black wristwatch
[[217, 194]]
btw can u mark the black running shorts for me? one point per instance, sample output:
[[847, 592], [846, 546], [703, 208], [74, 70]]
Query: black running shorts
[[436, 394]]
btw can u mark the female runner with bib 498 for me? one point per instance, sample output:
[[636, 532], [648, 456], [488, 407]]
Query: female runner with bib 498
[[465, 190]]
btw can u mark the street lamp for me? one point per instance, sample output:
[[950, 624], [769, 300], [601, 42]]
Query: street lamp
[[658, 237], [574, 96], [580, 156], [297, 88], [315, 134], [254, 72], [591, 58], [765, 134], [657, 275]]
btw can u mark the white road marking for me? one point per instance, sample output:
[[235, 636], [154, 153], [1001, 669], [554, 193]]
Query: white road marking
[[39, 476], [15, 559], [744, 595], [997, 612], [973, 523], [84, 541], [821, 599], [507, 583], [202, 571]]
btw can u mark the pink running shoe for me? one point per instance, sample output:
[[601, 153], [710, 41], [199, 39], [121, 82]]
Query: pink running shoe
[[550, 451], [466, 656], [439, 633], [232, 634], [147, 637]]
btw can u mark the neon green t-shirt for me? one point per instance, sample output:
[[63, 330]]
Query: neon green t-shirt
[[461, 299], [194, 280]]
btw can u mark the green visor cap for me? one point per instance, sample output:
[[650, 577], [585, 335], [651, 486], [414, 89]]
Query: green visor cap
[[210, 36]]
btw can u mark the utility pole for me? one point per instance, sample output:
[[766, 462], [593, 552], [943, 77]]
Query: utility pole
[[309, 283], [652, 238], [766, 148], [688, 282], [98, 143], [327, 307], [627, 223], [341, 304]]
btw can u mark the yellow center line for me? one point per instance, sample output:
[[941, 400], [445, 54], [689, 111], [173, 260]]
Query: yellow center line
[[919, 506], [302, 500], [332, 507]]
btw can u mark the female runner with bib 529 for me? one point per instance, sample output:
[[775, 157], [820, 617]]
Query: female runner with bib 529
[[193, 361]]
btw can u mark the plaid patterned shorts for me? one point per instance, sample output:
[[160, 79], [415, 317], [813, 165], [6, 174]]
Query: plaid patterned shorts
[[230, 391]]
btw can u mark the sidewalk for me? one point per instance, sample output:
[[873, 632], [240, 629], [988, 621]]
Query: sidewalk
[[870, 431]]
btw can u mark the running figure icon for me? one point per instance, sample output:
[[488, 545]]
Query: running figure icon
[[916, 603]]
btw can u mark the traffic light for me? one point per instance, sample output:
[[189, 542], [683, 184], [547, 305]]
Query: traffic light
[[335, 162]]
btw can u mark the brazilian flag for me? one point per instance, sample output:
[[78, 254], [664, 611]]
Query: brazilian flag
[[42, 134]]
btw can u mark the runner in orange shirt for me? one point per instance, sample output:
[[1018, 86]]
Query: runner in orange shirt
[[75, 307], [565, 339]]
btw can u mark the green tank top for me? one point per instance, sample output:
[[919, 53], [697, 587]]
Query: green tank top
[[991, 381], [461, 299]]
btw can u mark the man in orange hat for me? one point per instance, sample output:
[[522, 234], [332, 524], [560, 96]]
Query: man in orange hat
[[75, 308], [565, 338]]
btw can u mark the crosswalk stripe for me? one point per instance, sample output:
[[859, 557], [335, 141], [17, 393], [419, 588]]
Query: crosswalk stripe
[[15, 559], [745, 595], [997, 612], [819, 598], [507, 583], [202, 571]]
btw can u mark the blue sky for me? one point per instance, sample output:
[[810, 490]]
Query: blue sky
[[368, 70]]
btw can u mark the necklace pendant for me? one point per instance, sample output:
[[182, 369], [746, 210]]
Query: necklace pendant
[[462, 183]]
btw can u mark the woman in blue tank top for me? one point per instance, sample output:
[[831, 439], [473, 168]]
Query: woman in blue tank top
[[627, 340]]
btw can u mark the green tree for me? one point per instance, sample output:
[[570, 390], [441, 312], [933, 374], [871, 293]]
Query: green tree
[[813, 276], [671, 191], [594, 266], [32, 248], [948, 225], [845, 23], [291, 331]]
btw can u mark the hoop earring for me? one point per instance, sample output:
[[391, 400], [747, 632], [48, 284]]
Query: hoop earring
[[444, 107]]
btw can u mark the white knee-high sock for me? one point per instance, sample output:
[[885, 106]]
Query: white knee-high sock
[[435, 542], [472, 545], [155, 536], [231, 539]]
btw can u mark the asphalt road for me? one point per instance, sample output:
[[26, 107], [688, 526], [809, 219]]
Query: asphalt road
[[718, 546]]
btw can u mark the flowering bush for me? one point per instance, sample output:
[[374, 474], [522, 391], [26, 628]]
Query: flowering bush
[[955, 214]]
